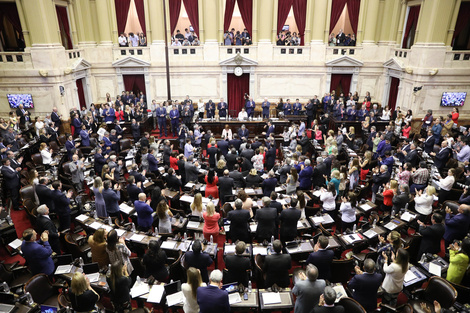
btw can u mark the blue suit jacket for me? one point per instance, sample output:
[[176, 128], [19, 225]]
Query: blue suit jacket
[[305, 178], [322, 260], [269, 185], [456, 227], [212, 300], [99, 162], [144, 214], [365, 289], [38, 256], [61, 202], [174, 116], [160, 112], [265, 106], [85, 138], [111, 200], [270, 131], [153, 163], [110, 115], [69, 146]]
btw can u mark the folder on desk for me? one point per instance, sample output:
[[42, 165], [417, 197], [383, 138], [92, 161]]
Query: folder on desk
[[271, 298]]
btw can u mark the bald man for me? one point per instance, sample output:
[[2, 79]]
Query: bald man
[[144, 212]]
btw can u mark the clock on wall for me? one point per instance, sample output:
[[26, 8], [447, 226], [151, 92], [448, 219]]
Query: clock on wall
[[238, 71]]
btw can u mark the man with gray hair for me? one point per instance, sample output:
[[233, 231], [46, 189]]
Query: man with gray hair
[[318, 179], [365, 285], [44, 223], [212, 299], [191, 170], [117, 165], [308, 290], [379, 178], [267, 220], [284, 170], [305, 176], [269, 184], [77, 169], [327, 302], [239, 219]]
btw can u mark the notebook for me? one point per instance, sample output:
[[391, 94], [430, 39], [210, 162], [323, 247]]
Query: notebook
[[173, 292]]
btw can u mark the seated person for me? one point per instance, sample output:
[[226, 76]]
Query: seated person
[[322, 258], [238, 265], [277, 266]]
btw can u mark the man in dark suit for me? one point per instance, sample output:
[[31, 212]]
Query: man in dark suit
[[379, 178], [100, 160], [267, 221], [243, 132], [365, 285], [277, 266], [144, 212], [237, 176], [111, 198], [270, 129], [25, 116], [318, 180], [231, 159], [238, 265], [308, 290], [327, 302], [412, 156], [226, 185], [274, 204], [173, 182], [44, 194], [223, 146], [153, 163], [62, 205], [55, 117], [284, 171], [37, 253], [135, 129], [456, 225], [11, 178], [271, 157], [43, 223], [248, 152], [212, 299], [133, 189], [198, 259], [429, 143], [239, 219], [191, 170], [222, 107], [255, 144], [431, 235], [441, 158], [288, 219], [166, 152], [322, 258], [265, 106], [305, 176], [212, 153], [137, 176], [269, 184], [235, 142]]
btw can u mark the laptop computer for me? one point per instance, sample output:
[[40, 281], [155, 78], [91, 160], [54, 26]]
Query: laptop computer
[[366, 226], [92, 271], [48, 309], [173, 293], [64, 259], [231, 287]]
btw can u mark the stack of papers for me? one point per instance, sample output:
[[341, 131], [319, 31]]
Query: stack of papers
[[15, 244], [233, 298], [435, 269], [365, 207], [193, 224], [176, 298], [271, 298], [120, 232], [409, 276], [170, 245], [63, 269], [93, 278], [407, 216], [140, 289], [137, 237], [370, 233], [229, 249], [260, 250], [123, 207], [81, 218], [95, 225]]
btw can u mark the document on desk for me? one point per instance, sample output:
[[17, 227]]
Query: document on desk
[[300, 224], [352, 238], [186, 198], [140, 289], [233, 298], [107, 228], [123, 207], [15, 244], [95, 225], [81, 218], [271, 298], [409, 276], [317, 193], [318, 219], [365, 207], [63, 269], [193, 224], [176, 298], [434, 269], [253, 227], [390, 225], [229, 249], [137, 237], [370, 233], [93, 278], [120, 232], [170, 245], [407, 216], [190, 185], [260, 250], [249, 190]]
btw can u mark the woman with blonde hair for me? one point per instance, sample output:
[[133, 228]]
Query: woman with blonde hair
[[46, 155], [247, 202], [330, 140], [33, 177], [197, 207], [227, 133], [298, 150], [164, 214], [82, 297], [424, 201], [365, 164], [106, 173], [97, 243], [211, 222], [189, 289], [354, 174], [350, 136], [253, 180], [221, 167]]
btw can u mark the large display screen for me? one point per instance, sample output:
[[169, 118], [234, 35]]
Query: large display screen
[[16, 99], [453, 99]]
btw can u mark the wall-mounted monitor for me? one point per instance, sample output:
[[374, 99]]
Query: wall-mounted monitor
[[453, 99], [285, 28], [16, 99]]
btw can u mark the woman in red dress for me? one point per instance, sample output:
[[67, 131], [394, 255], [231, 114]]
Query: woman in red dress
[[211, 184], [173, 161], [455, 115]]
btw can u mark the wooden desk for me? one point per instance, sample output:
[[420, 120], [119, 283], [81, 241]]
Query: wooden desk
[[305, 246], [334, 124], [146, 125], [229, 249], [287, 301], [251, 304], [255, 127]]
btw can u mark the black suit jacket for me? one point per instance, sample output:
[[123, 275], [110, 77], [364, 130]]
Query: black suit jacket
[[324, 309], [237, 266], [56, 119], [99, 162], [45, 196], [231, 160], [283, 172], [43, 223], [267, 220], [200, 261], [431, 239], [133, 192], [239, 229], [276, 267], [238, 180], [289, 218], [138, 176], [269, 185], [12, 177], [173, 182], [429, 144], [21, 115], [212, 153], [317, 178], [441, 158], [226, 184], [223, 146], [322, 260], [412, 157], [379, 180], [236, 143]]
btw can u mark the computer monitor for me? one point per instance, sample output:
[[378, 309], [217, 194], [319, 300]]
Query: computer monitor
[[173, 287], [64, 259], [91, 268], [48, 309]]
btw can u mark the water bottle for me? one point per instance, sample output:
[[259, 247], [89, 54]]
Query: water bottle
[[68, 310], [156, 231], [374, 223], [110, 222], [138, 280], [133, 227], [423, 258], [29, 299], [95, 215], [5, 287], [185, 236], [8, 218], [249, 286], [354, 228], [80, 261], [108, 272], [212, 239], [272, 240]]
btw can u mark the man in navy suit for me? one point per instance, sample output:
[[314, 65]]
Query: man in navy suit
[[287, 107], [441, 158], [100, 160], [305, 176], [44, 223], [153, 163], [270, 129], [365, 285], [322, 258], [198, 259], [235, 142], [243, 132], [111, 198], [77, 124], [138, 176], [223, 146], [271, 157], [212, 299], [144, 212], [84, 134], [269, 184], [174, 120], [297, 107], [44, 194], [135, 128], [239, 220], [431, 235], [250, 107], [70, 145], [37, 253], [277, 266], [55, 117], [412, 156], [267, 221], [265, 106], [456, 225], [133, 189], [12, 176], [210, 109], [289, 218], [222, 106], [62, 205], [161, 115]]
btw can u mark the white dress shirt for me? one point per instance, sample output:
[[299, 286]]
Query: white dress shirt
[[242, 116]]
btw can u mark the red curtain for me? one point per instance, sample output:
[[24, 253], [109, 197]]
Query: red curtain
[[282, 13], [392, 95], [300, 14], [81, 93], [336, 9], [353, 11], [246, 11], [412, 20], [122, 10], [136, 83], [192, 9], [229, 7], [139, 5], [175, 9], [462, 19], [237, 86], [64, 24], [343, 80]]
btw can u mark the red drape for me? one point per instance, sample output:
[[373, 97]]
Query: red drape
[[300, 14], [64, 24], [412, 20], [353, 11], [246, 11], [175, 9], [122, 10], [229, 7], [139, 5], [282, 13], [81, 93], [10, 12], [392, 95], [192, 9], [337, 7], [343, 80], [136, 83], [237, 86], [462, 19]]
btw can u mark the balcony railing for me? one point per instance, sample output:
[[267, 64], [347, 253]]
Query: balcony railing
[[74, 54], [185, 50], [139, 52], [15, 58], [401, 53], [458, 55], [226, 52]]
